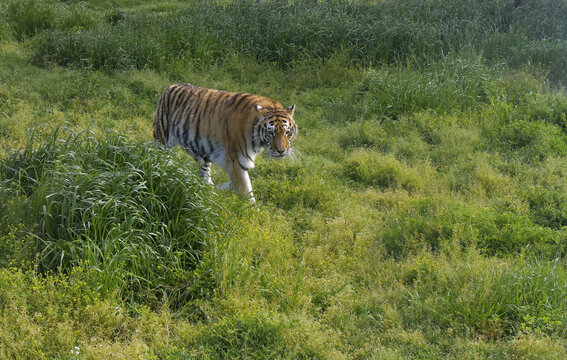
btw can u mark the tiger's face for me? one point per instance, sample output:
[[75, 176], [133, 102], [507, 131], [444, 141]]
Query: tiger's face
[[278, 130]]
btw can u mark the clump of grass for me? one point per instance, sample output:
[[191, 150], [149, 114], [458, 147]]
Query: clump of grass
[[384, 171], [133, 42], [27, 18], [363, 134], [551, 108], [440, 224], [486, 296], [241, 337], [452, 84], [133, 212], [530, 140], [548, 206], [294, 189]]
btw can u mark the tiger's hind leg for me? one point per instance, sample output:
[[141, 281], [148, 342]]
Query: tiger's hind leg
[[206, 172]]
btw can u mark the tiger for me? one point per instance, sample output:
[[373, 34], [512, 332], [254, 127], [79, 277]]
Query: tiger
[[228, 129]]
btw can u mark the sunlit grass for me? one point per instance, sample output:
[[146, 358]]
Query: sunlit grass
[[131, 212], [422, 216]]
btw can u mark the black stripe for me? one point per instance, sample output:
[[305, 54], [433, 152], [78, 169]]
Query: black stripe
[[241, 150], [205, 165], [178, 97], [204, 110], [196, 106], [184, 100], [257, 138], [172, 96], [163, 103], [246, 96], [255, 134], [263, 135], [199, 115], [165, 98], [192, 147], [191, 117], [160, 125], [207, 103], [233, 99], [246, 150], [239, 164], [187, 106], [197, 130], [178, 134], [248, 102], [226, 131], [214, 111], [183, 118]]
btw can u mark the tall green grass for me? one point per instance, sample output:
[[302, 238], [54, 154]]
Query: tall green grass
[[384, 32], [132, 213], [448, 85], [26, 18]]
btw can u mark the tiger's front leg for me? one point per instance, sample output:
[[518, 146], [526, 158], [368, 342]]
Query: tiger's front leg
[[240, 181]]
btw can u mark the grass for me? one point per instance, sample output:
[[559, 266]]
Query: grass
[[423, 215], [368, 33], [110, 205]]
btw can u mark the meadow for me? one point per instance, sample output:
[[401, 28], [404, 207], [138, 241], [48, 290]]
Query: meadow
[[423, 215]]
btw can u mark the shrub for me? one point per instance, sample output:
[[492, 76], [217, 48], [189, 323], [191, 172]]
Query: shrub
[[54, 316]]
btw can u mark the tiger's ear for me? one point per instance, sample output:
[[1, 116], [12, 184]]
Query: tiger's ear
[[258, 107], [290, 109]]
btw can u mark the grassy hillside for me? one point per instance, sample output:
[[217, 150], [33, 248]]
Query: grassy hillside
[[424, 214]]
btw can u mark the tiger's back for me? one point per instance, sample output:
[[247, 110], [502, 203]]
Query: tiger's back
[[225, 128]]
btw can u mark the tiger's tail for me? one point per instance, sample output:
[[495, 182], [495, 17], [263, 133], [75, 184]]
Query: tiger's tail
[[161, 121]]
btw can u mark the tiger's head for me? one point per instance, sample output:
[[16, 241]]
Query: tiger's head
[[277, 129]]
